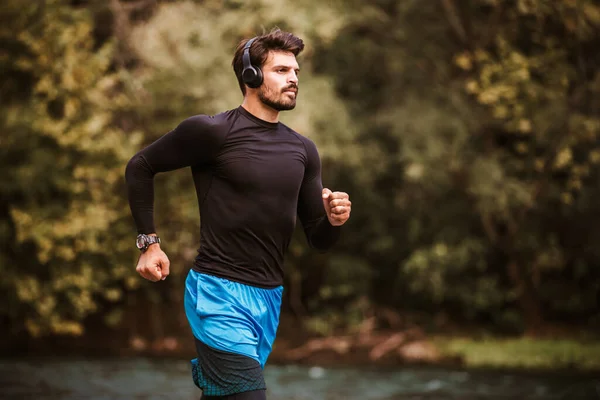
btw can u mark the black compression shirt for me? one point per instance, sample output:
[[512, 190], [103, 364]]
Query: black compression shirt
[[252, 178]]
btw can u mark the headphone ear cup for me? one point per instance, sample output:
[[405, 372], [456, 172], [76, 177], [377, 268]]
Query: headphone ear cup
[[252, 77], [259, 77]]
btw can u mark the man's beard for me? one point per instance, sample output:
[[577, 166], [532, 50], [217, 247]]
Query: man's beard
[[279, 103]]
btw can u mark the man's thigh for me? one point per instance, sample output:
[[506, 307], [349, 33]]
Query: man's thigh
[[221, 374], [231, 316]]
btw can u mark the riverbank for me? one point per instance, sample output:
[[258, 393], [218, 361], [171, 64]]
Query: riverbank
[[558, 349], [377, 348], [523, 353], [386, 351], [518, 353]]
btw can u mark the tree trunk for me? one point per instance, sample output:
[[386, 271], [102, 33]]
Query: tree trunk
[[527, 298]]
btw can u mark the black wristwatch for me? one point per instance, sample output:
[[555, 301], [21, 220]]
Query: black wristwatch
[[144, 241]]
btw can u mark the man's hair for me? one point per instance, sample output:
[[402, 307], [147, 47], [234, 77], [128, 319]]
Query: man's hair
[[276, 40]]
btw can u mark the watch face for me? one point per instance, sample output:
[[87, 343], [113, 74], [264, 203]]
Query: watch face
[[140, 242]]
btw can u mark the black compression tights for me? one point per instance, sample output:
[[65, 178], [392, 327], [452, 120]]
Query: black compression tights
[[252, 395]]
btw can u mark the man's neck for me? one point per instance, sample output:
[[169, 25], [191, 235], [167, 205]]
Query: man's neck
[[260, 110]]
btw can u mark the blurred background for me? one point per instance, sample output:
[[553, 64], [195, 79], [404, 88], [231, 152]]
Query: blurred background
[[465, 131]]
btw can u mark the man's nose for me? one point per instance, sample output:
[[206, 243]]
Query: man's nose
[[293, 78]]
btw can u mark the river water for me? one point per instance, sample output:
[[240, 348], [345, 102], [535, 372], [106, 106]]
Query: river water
[[150, 379]]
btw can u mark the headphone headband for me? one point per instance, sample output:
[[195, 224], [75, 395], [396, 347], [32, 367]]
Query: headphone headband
[[246, 55]]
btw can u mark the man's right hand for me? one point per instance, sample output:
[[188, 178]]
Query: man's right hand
[[153, 264]]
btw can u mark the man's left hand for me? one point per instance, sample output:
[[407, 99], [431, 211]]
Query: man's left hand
[[337, 206]]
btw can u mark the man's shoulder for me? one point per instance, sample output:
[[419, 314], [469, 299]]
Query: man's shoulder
[[209, 121], [310, 147], [304, 139]]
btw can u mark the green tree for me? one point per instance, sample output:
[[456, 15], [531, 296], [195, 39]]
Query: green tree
[[62, 212], [486, 113], [528, 72]]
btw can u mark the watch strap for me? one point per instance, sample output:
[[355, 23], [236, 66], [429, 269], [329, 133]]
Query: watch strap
[[144, 241]]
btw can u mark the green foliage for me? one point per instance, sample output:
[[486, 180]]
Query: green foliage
[[441, 271], [486, 114], [63, 158]]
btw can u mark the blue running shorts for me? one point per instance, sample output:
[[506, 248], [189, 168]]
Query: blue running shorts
[[230, 319]]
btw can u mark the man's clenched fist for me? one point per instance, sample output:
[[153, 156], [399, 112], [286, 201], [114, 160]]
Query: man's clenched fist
[[337, 206], [153, 264]]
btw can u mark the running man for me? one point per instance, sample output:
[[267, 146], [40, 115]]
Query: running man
[[253, 175]]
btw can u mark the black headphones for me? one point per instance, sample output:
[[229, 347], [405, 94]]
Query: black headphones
[[251, 75]]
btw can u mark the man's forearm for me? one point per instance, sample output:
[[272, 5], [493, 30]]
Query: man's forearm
[[322, 235], [140, 189]]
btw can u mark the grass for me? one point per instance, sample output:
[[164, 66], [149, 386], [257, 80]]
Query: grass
[[523, 353]]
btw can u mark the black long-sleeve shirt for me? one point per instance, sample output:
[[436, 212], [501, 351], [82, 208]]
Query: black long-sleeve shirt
[[252, 178]]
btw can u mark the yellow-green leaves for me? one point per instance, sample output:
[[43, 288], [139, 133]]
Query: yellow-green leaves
[[516, 87], [65, 165]]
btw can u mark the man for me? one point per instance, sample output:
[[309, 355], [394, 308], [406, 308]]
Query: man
[[252, 175]]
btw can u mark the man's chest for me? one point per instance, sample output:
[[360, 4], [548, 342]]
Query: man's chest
[[270, 164]]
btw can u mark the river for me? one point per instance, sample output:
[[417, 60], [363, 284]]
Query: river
[[150, 379]]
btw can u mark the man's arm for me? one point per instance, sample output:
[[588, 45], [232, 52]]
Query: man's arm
[[195, 141], [321, 211], [192, 142]]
